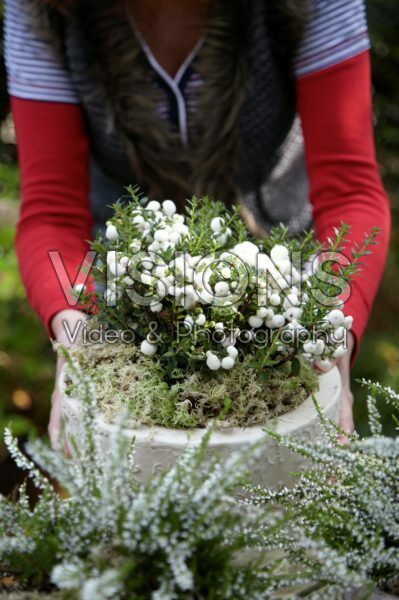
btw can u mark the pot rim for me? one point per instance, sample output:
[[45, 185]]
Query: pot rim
[[302, 416]]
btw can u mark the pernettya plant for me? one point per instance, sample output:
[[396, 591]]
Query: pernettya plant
[[197, 292], [186, 535]]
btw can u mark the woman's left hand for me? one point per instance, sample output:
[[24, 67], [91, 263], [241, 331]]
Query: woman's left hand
[[346, 421]]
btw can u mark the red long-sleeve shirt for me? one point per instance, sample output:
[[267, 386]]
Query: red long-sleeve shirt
[[335, 108]]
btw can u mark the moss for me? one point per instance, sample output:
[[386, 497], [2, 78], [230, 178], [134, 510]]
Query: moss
[[124, 378]]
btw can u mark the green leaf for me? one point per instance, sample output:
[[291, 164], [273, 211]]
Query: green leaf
[[295, 366]]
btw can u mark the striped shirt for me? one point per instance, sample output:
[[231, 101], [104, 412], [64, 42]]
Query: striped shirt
[[336, 31]]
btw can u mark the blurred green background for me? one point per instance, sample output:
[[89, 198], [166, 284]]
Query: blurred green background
[[26, 357]]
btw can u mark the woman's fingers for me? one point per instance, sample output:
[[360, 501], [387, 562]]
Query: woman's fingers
[[54, 426]]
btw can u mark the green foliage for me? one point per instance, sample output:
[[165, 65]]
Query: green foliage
[[186, 535], [347, 499], [9, 181], [158, 275], [180, 536]]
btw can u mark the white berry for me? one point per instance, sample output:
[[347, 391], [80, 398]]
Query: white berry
[[340, 352], [222, 288], [278, 321], [169, 207], [278, 253], [111, 233], [156, 308], [275, 299], [200, 320], [213, 363], [217, 224], [255, 322], [161, 235], [147, 348], [231, 351], [228, 363], [153, 206], [336, 318]]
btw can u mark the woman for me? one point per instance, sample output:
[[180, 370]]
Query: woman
[[191, 97]]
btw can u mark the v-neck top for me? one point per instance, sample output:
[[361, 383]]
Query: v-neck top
[[178, 94], [336, 31]]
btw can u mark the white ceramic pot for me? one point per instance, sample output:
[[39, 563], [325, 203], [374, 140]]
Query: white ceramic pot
[[158, 447]]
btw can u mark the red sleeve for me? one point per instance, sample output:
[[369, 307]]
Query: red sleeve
[[345, 186], [53, 159]]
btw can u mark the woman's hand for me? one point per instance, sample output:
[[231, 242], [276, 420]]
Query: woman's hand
[[346, 409], [346, 406], [63, 325]]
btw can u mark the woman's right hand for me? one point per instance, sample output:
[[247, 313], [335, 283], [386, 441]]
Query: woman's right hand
[[63, 326]]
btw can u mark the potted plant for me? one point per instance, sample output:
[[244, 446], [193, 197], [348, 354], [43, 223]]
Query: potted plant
[[196, 321]]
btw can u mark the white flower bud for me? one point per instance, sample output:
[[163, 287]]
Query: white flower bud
[[262, 312], [111, 233], [226, 272], [219, 326], [228, 363], [147, 348]]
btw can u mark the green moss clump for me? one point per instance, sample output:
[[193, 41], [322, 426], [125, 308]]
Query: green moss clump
[[124, 378]]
